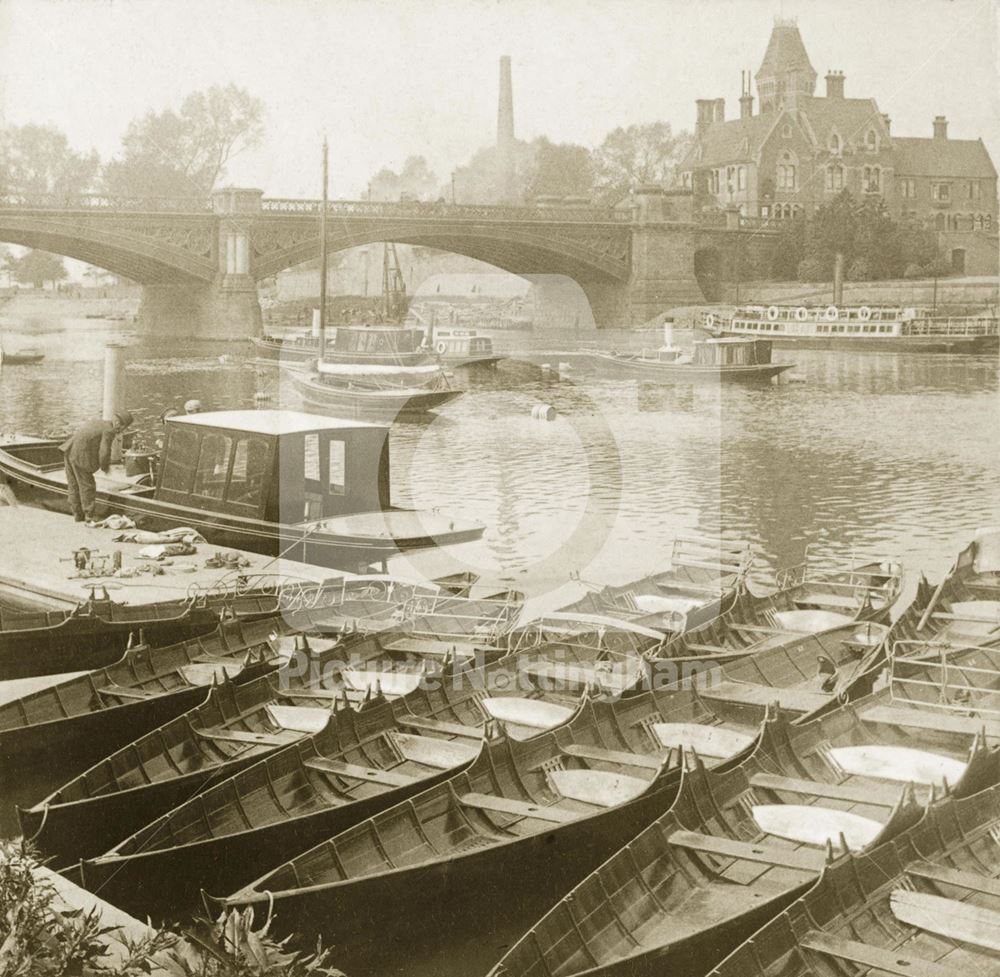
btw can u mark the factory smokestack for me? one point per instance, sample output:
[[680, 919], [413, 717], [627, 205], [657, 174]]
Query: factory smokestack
[[505, 134]]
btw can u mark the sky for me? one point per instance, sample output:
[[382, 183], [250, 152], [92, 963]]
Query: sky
[[385, 79]]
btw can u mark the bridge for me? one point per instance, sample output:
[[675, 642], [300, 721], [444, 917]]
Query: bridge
[[199, 260]]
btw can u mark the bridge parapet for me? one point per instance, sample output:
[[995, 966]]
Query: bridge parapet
[[378, 209], [91, 202]]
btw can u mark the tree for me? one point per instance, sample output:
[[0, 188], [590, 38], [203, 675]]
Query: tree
[[37, 268], [415, 181], [39, 159], [563, 170], [476, 182], [185, 153], [638, 154]]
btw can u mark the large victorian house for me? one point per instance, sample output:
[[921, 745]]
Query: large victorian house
[[801, 149]]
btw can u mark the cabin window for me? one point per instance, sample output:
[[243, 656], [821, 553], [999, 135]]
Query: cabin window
[[179, 460], [337, 468], [246, 483], [311, 458], [213, 466]]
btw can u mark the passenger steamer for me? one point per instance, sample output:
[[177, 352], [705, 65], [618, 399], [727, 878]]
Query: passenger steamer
[[882, 328]]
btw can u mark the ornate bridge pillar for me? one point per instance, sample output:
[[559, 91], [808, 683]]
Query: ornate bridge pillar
[[663, 247]]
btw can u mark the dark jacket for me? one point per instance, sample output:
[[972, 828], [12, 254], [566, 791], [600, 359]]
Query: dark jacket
[[89, 448]]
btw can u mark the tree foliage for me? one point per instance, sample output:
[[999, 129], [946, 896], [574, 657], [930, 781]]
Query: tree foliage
[[874, 245], [638, 154], [415, 181], [185, 153], [562, 169], [39, 159], [36, 268]]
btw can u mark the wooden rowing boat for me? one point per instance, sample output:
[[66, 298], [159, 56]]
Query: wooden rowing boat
[[96, 633], [737, 847], [927, 904], [233, 727], [229, 835], [521, 824], [702, 580], [76, 722]]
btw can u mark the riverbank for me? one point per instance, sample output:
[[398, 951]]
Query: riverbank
[[966, 291], [114, 302]]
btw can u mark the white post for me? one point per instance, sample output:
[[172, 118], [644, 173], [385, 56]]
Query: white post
[[242, 257], [114, 374], [668, 334]]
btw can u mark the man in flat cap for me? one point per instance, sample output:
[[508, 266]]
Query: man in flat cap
[[86, 451]]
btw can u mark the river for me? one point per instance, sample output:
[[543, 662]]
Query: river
[[858, 456]]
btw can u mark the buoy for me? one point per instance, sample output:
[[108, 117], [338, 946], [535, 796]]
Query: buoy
[[801, 314], [864, 313], [710, 319], [543, 412], [831, 313], [441, 347], [772, 312]]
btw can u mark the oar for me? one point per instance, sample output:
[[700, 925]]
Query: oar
[[933, 603], [959, 921]]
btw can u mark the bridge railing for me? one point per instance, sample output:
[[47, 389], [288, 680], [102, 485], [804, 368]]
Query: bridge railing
[[420, 209], [105, 202]]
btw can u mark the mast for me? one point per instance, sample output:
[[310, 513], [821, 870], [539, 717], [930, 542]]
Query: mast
[[322, 256]]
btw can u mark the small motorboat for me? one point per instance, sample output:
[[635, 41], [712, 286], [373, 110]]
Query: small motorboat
[[25, 356], [927, 904], [712, 360], [312, 489]]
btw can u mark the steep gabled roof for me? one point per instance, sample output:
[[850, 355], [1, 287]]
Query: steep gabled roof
[[729, 142], [957, 158], [850, 118], [785, 51]]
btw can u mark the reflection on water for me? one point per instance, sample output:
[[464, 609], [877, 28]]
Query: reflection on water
[[884, 453]]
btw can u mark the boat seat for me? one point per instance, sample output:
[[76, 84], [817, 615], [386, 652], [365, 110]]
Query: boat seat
[[925, 719], [873, 957], [584, 751], [827, 600], [123, 692], [521, 809], [434, 752], [430, 648], [802, 860], [756, 629], [969, 881], [861, 794], [439, 726], [749, 694], [371, 774], [708, 649], [246, 736], [323, 695]]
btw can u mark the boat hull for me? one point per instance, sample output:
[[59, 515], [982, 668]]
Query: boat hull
[[690, 372], [355, 403], [495, 891], [879, 344]]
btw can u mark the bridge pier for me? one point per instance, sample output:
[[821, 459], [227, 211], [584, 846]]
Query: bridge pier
[[216, 311]]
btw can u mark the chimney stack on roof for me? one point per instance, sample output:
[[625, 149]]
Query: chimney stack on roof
[[719, 114], [706, 114], [887, 121], [834, 84], [746, 99], [940, 127]]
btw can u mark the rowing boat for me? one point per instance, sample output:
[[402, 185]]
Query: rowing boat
[[294, 799], [233, 727], [522, 823], [702, 579], [925, 905], [736, 848], [77, 721], [96, 633]]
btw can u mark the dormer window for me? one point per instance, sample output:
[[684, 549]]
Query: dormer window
[[871, 141], [834, 142], [786, 131]]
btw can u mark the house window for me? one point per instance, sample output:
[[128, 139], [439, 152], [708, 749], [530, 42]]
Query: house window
[[686, 179], [741, 178], [731, 179], [989, 222], [908, 188], [834, 142], [975, 190], [786, 131], [871, 141], [872, 179], [786, 176], [835, 177], [941, 192]]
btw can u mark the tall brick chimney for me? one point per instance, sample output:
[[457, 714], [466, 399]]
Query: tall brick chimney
[[834, 84], [505, 135], [940, 127], [706, 114], [719, 113]]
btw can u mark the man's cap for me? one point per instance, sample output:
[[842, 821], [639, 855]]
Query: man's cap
[[124, 418], [192, 406]]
